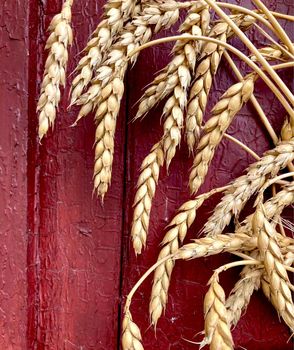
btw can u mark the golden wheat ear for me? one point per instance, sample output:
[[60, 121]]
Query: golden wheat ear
[[116, 13], [223, 114], [54, 74]]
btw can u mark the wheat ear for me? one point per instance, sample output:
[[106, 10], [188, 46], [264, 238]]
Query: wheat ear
[[270, 253], [222, 116], [251, 275], [54, 75], [245, 186], [206, 69], [178, 71], [173, 111], [207, 246], [177, 230], [239, 298], [217, 329], [131, 335], [107, 91], [198, 248], [146, 187], [164, 83], [116, 13], [162, 275]]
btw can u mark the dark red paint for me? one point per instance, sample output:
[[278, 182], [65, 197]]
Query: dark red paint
[[66, 260]]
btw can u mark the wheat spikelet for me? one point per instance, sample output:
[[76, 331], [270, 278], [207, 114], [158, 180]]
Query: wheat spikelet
[[116, 14], [217, 330], [287, 132], [245, 186], [222, 116], [272, 53], [55, 66], [241, 294], [178, 71], [270, 253], [131, 335], [146, 187]]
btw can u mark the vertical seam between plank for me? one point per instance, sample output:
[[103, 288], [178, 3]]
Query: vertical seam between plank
[[33, 176], [123, 211]]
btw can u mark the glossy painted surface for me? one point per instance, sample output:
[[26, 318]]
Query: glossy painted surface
[[66, 260]]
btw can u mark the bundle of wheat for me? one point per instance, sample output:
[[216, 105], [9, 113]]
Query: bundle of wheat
[[126, 29]]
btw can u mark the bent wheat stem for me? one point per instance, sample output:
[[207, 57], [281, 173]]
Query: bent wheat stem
[[175, 235], [279, 30], [254, 50], [245, 186], [217, 326], [237, 52]]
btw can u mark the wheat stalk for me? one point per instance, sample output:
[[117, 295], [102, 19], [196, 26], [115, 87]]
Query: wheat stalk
[[116, 13], [146, 187], [270, 253], [245, 186], [222, 116], [217, 329], [131, 335], [54, 74]]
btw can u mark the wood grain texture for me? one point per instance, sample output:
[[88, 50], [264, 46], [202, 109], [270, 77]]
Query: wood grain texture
[[79, 239], [13, 169], [66, 260]]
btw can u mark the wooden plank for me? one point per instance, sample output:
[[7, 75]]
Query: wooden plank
[[13, 173], [260, 328], [79, 239]]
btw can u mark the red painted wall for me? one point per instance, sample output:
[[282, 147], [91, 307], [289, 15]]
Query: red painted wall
[[66, 261]]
